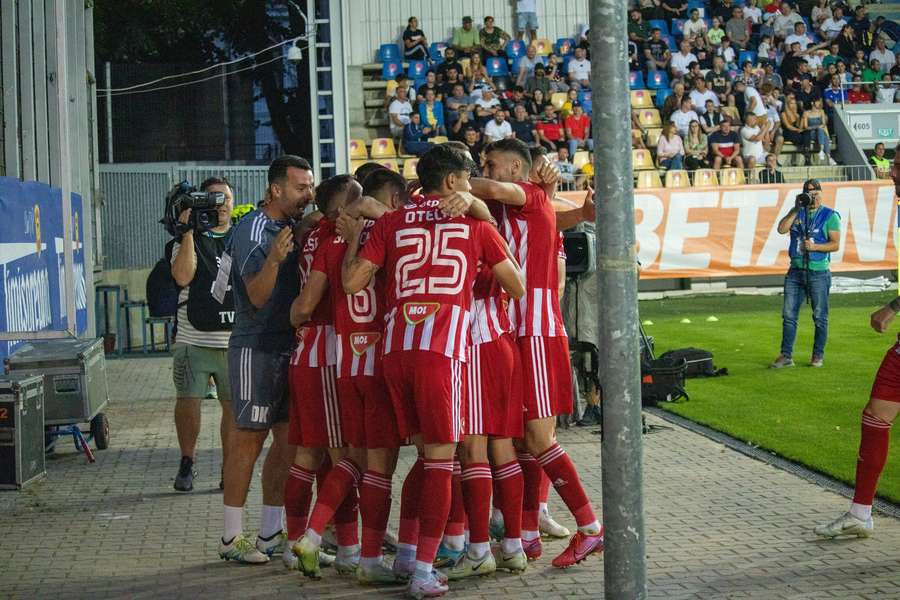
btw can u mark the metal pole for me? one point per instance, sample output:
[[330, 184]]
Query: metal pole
[[226, 114], [624, 567], [109, 129]]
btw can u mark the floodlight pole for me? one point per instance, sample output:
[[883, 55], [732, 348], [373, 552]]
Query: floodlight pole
[[624, 567]]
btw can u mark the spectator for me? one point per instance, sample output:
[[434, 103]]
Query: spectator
[[820, 12], [527, 64], [773, 140], [463, 119], [415, 44], [719, 80], [737, 30], [859, 63], [669, 148], [656, 51], [638, 30], [701, 95], [578, 130], [492, 39], [539, 82], [526, 19], [673, 102], [711, 119], [722, 10], [770, 77], [815, 126], [860, 22], [873, 72], [391, 89], [472, 140], [486, 107], [725, 147], [884, 56], [783, 23], [771, 174], [752, 134], [845, 75], [715, 34], [682, 118], [792, 126], [694, 73], [800, 37], [450, 62], [416, 135], [458, 102], [637, 136], [728, 54], [477, 74], [550, 132], [753, 102], [730, 110], [399, 112], [497, 128], [565, 166], [650, 9], [881, 164], [696, 147], [673, 9], [430, 84], [579, 70], [514, 98], [847, 44], [834, 55], [566, 109], [753, 14], [887, 90], [703, 52], [792, 63], [807, 94], [765, 52], [832, 26], [680, 60], [453, 79], [748, 75], [432, 113], [522, 126], [695, 26], [551, 69], [465, 38], [835, 94], [535, 107]]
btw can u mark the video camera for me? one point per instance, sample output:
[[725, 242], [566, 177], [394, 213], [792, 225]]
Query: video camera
[[803, 200], [204, 209]]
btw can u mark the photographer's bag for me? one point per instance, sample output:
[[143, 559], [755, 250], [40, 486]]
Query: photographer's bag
[[662, 380], [699, 362], [162, 291]]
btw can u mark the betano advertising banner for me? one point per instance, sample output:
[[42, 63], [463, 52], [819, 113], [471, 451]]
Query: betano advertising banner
[[732, 231], [32, 261]]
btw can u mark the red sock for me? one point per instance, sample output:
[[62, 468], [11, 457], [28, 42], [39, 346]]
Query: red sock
[[346, 520], [321, 473], [531, 480], [495, 495], [509, 487], [873, 450], [476, 493], [545, 488], [341, 480], [456, 522], [408, 533], [435, 507], [374, 508], [297, 496], [559, 468]]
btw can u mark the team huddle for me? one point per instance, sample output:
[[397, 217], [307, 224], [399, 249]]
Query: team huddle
[[424, 315]]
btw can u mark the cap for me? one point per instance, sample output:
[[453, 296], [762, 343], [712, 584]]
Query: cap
[[812, 184], [467, 19]]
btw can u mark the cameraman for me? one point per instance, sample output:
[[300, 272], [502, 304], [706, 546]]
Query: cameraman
[[815, 233], [204, 326]]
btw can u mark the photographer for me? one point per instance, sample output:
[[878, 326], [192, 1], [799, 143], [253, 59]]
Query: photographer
[[815, 232], [204, 327]]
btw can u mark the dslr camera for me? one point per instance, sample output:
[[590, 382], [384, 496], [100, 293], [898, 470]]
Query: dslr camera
[[204, 209], [803, 200]]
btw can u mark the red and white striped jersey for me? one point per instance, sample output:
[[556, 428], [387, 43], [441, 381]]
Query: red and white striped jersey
[[490, 308], [358, 318], [428, 260], [530, 231], [315, 338]]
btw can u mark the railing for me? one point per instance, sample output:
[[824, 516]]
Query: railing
[[873, 85]]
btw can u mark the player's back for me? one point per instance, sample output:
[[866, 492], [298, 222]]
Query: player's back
[[315, 338]]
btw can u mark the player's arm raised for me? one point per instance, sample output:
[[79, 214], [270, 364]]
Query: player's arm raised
[[260, 284], [356, 272], [304, 304], [504, 193], [462, 203], [508, 272], [566, 219], [366, 206]]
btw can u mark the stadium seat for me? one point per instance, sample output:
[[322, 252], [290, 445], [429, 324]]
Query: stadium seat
[[698, 4], [660, 24], [705, 178], [565, 46], [677, 179], [641, 160], [542, 46], [678, 27], [653, 137], [495, 66], [648, 179], [515, 48], [409, 168], [649, 117], [746, 55], [417, 69], [586, 97], [636, 80], [557, 99], [383, 148], [439, 139], [641, 99], [657, 80], [389, 70], [732, 176], [436, 51], [670, 41], [390, 164], [581, 158], [661, 95], [358, 150], [355, 164], [389, 53]]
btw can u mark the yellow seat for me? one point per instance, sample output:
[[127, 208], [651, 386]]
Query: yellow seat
[[383, 148], [409, 168], [732, 176], [581, 158], [677, 179], [588, 170], [355, 164], [653, 137], [557, 99], [542, 46], [641, 99], [641, 160], [390, 164], [439, 139], [705, 178], [358, 150], [649, 117], [648, 179]]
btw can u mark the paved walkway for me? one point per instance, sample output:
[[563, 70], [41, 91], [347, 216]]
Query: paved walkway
[[719, 525]]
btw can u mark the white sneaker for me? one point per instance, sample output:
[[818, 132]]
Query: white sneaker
[[427, 588], [272, 545], [821, 155], [289, 559], [241, 550], [550, 527], [346, 565], [832, 162], [847, 524]]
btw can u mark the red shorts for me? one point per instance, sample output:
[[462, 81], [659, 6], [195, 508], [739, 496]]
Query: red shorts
[[428, 392], [367, 415], [495, 404], [315, 410], [887, 380], [547, 376]]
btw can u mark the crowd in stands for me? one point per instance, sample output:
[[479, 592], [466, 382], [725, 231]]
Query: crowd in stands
[[715, 83]]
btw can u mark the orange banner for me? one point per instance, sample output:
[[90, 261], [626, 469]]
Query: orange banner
[[730, 231]]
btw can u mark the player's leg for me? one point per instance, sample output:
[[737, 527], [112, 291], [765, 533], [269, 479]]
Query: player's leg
[[547, 525], [410, 501], [453, 543], [476, 482], [509, 486], [375, 509]]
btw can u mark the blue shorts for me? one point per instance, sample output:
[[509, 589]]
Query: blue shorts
[[259, 387], [526, 20]]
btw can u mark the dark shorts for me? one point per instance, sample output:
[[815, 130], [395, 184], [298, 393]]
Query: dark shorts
[[259, 388]]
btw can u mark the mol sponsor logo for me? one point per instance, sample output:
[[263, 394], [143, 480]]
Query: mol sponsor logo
[[362, 341], [419, 312]]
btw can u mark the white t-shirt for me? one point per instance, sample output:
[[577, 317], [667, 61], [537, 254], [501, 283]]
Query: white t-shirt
[[784, 25], [699, 99], [692, 28], [494, 131], [804, 40], [526, 6], [886, 59], [402, 110], [683, 120], [759, 109], [487, 103], [749, 147], [885, 94], [680, 62], [580, 69], [831, 27], [753, 14], [727, 54]]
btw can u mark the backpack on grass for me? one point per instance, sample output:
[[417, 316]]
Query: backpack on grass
[[662, 380], [699, 363]]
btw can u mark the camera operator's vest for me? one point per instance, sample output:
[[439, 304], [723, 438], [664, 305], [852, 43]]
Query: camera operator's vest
[[203, 311], [815, 229]]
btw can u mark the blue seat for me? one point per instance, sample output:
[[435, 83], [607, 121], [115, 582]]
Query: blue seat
[[636, 80], [564, 67], [390, 70], [698, 4], [515, 48], [389, 53], [661, 95], [436, 51], [670, 42], [678, 27], [740, 3], [496, 66], [746, 55], [659, 24], [586, 97], [657, 80], [417, 69], [564, 46]]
